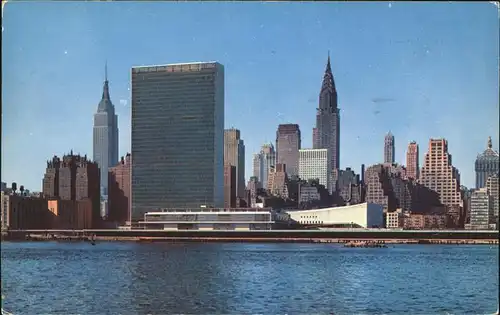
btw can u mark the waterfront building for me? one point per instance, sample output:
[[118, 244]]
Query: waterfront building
[[412, 161], [487, 164], [242, 219], [177, 137], [389, 149], [277, 184], [22, 212], [481, 212], [74, 177], [492, 185], [234, 154], [262, 162], [288, 144], [439, 175], [229, 186], [326, 134], [395, 219], [70, 214], [316, 164], [418, 221], [119, 201], [365, 215], [105, 141]]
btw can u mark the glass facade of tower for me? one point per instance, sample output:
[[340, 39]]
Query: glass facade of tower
[[177, 137]]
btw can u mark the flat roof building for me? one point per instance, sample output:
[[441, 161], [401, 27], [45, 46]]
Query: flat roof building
[[316, 164], [177, 136]]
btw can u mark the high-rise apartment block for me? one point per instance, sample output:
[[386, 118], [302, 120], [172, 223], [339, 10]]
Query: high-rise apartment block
[[493, 186], [105, 142], [119, 183], [439, 175], [389, 149], [326, 134], [288, 144], [234, 154], [74, 178], [487, 164], [412, 161], [262, 163], [177, 137], [481, 211], [316, 164]]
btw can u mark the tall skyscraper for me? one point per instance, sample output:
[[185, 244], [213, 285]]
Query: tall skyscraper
[[288, 144], [105, 135], [389, 155], [315, 164], [493, 186], [326, 135], [234, 154], [262, 163], [177, 136], [229, 186], [487, 164], [439, 175], [412, 161]]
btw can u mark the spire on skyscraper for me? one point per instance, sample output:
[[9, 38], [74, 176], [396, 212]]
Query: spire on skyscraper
[[328, 81], [105, 103]]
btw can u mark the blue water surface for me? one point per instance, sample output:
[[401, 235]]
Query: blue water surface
[[236, 278]]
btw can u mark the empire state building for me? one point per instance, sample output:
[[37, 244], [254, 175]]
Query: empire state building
[[105, 135]]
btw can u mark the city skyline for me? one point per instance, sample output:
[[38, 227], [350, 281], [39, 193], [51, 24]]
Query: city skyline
[[422, 87]]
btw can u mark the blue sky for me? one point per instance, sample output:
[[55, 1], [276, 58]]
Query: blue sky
[[420, 70]]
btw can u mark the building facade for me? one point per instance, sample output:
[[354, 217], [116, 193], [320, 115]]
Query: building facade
[[389, 149], [493, 187], [316, 164], [481, 211], [234, 154], [262, 162], [439, 175], [326, 135], [277, 184], [412, 161], [363, 215], [288, 144], [119, 201], [177, 136], [74, 177], [487, 164], [105, 141], [230, 186], [209, 219]]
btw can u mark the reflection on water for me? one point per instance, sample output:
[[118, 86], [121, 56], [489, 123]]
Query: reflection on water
[[129, 278]]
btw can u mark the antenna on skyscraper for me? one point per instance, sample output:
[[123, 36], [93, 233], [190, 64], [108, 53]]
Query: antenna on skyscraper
[[106, 70]]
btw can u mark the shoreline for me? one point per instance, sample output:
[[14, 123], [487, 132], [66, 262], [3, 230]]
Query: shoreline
[[144, 239]]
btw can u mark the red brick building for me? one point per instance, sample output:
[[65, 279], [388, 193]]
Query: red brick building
[[119, 191]]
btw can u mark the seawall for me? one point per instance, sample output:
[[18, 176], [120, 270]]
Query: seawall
[[335, 236]]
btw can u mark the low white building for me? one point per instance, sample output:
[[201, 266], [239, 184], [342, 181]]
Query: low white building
[[366, 215], [394, 220], [209, 219]]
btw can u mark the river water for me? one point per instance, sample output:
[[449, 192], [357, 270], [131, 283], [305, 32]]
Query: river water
[[238, 278]]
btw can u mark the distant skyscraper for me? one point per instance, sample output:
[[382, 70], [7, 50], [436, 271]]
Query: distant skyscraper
[[234, 154], [439, 175], [487, 164], [105, 135], [412, 161], [326, 135], [287, 147], [177, 137], [493, 186], [481, 212], [262, 163], [389, 156], [229, 186], [315, 164]]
